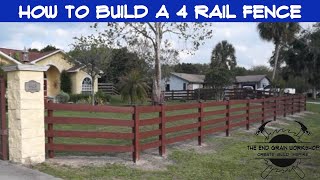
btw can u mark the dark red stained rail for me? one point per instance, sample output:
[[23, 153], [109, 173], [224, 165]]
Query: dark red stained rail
[[238, 116], [255, 113], [149, 109], [152, 121], [236, 102], [215, 103], [147, 134], [238, 109], [86, 134], [3, 127], [212, 113], [182, 138], [181, 107], [217, 129], [214, 121], [227, 119], [88, 148], [150, 145], [241, 123], [256, 107], [91, 121], [182, 117], [256, 100], [182, 127], [256, 119], [88, 108]]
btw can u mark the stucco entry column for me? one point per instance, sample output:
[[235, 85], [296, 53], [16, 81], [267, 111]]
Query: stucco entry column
[[26, 113]]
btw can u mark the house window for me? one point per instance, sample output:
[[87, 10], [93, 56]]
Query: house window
[[86, 86], [184, 86], [168, 87]]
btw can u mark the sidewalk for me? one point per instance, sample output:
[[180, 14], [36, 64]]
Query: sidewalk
[[313, 102], [9, 171]]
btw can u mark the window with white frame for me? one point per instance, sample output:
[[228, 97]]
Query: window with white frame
[[86, 85]]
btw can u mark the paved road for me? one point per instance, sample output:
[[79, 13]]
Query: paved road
[[9, 171], [313, 102]]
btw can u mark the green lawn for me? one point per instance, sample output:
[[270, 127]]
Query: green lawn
[[313, 100], [313, 107], [227, 158]]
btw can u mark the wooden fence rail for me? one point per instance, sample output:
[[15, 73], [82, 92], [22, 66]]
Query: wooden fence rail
[[210, 94], [174, 123], [108, 88]]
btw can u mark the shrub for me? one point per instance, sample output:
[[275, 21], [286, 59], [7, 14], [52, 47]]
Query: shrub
[[65, 82], [75, 98], [63, 97], [134, 87], [102, 98]]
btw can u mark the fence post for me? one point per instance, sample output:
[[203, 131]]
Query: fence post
[[50, 131], [187, 94], [285, 106], [228, 117], [275, 109], [135, 131], [292, 105], [299, 105], [45, 89], [248, 114], [263, 109], [162, 127], [200, 120], [4, 135], [305, 103], [172, 95]]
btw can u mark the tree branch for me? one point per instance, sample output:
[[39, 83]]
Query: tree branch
[[145, 34]]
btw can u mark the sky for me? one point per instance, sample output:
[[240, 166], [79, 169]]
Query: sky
[[251, 50]]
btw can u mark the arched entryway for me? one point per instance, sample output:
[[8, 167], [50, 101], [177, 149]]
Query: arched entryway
[[52, 76]]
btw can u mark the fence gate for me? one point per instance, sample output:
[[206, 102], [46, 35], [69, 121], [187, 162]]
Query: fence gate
[[3, 121]]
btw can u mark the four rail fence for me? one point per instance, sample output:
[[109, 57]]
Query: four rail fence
[[211, 94], [134, 129], [108, 88]]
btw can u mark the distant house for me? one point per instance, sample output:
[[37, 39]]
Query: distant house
[[255, 81], [183, 81], [57, 61]]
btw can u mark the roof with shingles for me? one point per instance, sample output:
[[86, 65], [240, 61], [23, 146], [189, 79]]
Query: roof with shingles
[[31, 55], [191, 78], [250, 78], [75, 68]]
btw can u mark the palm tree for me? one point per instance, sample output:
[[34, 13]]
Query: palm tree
[[133, 87], [280, 34], [223, 56]]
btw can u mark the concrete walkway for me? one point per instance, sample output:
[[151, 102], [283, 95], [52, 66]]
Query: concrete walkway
[[9, 171], [313, 102]]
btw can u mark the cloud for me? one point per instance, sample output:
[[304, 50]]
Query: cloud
[[38, 35], [250, 49], [37, 45]]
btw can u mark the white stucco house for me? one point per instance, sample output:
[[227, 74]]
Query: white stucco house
[[255, 81], [183, 81]]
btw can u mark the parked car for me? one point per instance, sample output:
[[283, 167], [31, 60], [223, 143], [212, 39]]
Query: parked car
[[248, 87], [290, 90], [249, 92]]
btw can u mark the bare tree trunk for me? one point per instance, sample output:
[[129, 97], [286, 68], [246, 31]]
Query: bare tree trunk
[[92, 92], [157, 82], [277, 50], [314, 93]]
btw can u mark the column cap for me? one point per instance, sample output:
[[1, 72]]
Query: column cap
[[25, 67]]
